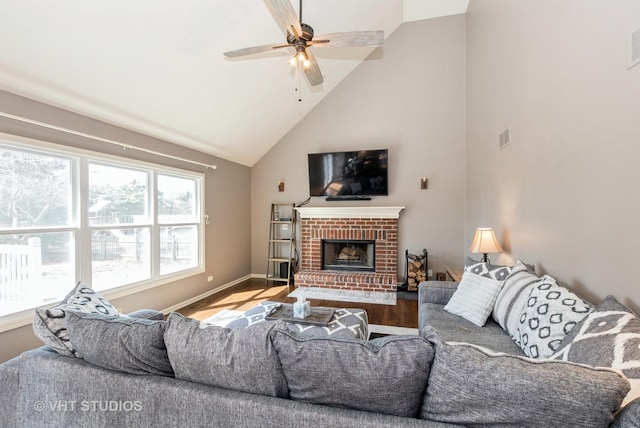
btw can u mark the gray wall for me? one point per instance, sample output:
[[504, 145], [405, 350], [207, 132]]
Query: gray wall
[[409, 97], [563, 196], [227, 202]]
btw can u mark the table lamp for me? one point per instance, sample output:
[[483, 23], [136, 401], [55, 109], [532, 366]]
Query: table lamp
[[485, 242]]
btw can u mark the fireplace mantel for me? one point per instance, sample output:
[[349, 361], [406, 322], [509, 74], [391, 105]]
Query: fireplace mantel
[[349, 212]]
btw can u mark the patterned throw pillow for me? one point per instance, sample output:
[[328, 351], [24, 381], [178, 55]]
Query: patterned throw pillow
[[607, 337], [512, 297], [474, 298], [50, 324], [487, 270], [549, 315]]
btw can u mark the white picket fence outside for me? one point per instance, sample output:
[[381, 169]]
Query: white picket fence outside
[[20, 271]]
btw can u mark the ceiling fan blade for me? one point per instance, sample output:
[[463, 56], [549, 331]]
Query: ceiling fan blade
[[253, 50], [313, 73], [349, 39], [284, 16]]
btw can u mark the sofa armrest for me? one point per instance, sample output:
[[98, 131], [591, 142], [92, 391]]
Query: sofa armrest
[[438, 292], [150, 314]]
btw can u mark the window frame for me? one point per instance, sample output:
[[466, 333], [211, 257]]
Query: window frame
[[79, 219]]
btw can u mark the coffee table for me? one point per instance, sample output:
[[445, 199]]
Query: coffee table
[[350, 323]]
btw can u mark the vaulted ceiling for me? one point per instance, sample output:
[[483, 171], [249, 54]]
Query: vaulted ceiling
[[158, 68]]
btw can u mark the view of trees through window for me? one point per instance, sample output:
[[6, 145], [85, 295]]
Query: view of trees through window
[[42, 227]]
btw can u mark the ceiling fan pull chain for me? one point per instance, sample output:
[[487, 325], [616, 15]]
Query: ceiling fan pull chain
[[299, 82]]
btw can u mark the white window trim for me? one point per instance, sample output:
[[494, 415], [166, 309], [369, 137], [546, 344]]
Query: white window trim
[[83, 157]]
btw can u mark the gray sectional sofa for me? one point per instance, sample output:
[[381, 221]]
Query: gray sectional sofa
[[605, 335], [105, 369]]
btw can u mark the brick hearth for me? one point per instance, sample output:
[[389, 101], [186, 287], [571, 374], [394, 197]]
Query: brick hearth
[[379, 224]]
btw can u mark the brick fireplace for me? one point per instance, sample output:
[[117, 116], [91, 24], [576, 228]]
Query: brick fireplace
[[358, 224]]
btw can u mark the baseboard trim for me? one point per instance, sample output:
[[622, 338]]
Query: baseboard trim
[[205, 295]]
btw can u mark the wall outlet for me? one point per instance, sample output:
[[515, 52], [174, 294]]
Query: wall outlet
[[285, 227], [210, 278], [429, 273]]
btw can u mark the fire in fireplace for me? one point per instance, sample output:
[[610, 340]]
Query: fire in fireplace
[[348, 254]]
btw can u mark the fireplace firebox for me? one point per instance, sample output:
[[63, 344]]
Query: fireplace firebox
[[349, 255]]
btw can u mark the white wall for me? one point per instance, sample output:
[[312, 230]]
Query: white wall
[[409, 97], [563, 195], [227, 202]]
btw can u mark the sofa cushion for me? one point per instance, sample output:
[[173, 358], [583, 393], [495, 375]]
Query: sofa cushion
[[548, 316], [475, 297], [125, 344], [237, 359], [453, 328], [471, 386], [512, 297], [50, 324], [608, 337], [386, 375]]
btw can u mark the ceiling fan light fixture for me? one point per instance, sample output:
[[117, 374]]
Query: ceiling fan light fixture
[[300, 36]]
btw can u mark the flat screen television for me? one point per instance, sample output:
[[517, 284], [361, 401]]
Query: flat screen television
[[344, 175]]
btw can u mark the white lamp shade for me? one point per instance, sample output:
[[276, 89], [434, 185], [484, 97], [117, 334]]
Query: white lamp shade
[[485, 242]]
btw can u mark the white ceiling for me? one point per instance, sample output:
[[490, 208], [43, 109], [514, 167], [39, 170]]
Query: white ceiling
[[157, 67]]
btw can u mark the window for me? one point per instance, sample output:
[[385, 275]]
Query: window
[[66, 217]]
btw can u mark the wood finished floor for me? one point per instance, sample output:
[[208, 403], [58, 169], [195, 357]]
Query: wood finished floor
[[248, 293]]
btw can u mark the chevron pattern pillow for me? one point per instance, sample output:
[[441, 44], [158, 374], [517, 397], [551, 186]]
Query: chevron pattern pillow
[[608, 337]]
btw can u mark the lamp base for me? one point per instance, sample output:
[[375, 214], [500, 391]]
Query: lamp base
[[485, 259]]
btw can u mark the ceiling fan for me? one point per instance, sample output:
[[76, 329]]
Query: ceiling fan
[[300, 37]]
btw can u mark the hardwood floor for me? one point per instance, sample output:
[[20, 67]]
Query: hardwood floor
[[248, 293]]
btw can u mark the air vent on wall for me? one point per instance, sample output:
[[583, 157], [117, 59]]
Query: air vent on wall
[[505, 139], [634, 48]]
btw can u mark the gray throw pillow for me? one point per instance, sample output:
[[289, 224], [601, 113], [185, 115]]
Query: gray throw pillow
[[50, 324], [608, 337], [129, 345], [387, 375], [239, 359], [474, 387], [549, 315]]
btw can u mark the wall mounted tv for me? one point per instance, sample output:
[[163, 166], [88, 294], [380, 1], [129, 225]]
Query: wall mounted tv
[[349, 175]]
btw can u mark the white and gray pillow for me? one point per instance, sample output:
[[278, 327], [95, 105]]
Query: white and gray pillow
[[512, 297], [50, 324], [474, 298], [240, 359], [473, 387], [386, 375], [125, 344], [549, 315], [488, 270]]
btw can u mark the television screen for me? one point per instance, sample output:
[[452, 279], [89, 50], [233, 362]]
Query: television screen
[[349, 174]]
